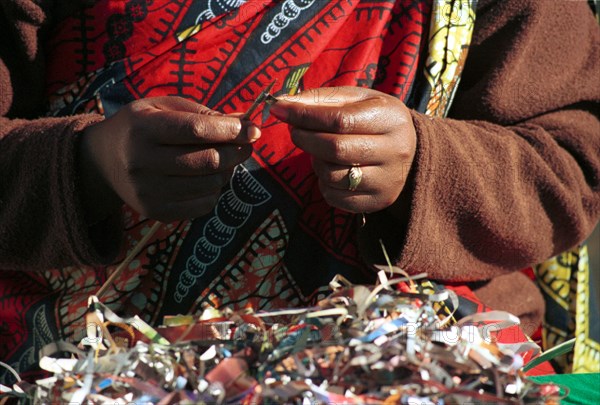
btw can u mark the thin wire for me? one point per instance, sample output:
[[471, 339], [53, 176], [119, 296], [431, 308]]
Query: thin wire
[[12, 370], [136, 250]]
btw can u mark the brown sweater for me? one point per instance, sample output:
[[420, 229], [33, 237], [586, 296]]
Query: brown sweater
[[510, 180]]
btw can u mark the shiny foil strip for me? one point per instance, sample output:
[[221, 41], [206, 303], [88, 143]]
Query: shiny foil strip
[[382, 344]]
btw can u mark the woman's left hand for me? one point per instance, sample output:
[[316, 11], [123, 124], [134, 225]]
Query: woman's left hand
[[353, 132]]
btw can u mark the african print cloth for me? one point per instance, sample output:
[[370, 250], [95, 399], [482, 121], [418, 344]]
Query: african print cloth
[[571, 293], [271, 241]]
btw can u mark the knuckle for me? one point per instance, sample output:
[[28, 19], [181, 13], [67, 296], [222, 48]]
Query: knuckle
[[301, 114], [135, 106], [405, 147], [195, 107], [212, 160], [198, 126], [339, 149], [186, 162], [342, 122], [233, 126], [366, 148], [140, 108], [208, 161]]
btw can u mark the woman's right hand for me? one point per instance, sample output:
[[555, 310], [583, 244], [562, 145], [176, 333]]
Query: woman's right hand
[[167, 157]]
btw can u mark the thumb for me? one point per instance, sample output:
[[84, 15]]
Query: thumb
[[348, 110], [330, 96]]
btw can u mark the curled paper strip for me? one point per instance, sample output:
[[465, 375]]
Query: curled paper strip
[[382, 344]]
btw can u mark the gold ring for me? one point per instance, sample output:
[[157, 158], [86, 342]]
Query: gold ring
[[354, 177]]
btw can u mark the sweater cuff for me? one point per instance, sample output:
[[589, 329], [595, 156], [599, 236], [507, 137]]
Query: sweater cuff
[[418, 253], [42, 224]]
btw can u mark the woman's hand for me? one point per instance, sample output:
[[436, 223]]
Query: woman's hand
[[168, 157], [342, 127]]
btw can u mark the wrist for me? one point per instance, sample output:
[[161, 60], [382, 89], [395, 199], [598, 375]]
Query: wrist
[[98, 199]]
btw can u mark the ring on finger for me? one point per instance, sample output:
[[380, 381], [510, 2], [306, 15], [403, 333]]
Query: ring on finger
[[354, 177]]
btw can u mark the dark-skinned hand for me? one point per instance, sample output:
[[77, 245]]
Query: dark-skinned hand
[[345, 126], [167, 157]]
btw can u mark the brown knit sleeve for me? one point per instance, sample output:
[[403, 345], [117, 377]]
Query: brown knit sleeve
[[42, 222], [513, 177]]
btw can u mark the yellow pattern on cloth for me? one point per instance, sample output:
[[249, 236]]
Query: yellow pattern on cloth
[[565, 283], [450, 33], [587, 350]]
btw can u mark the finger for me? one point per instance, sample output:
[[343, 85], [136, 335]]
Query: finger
[[337, 176], [180, 210], [171, 103], [351, 201], [254, 131], [183, 128], [371, 116], [181, 188], [356, 201], [190, 188], [188, 161], [331, 96], [343, 149], [180, 104]]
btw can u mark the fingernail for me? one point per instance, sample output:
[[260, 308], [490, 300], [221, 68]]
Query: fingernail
[[279, 111], [253, 133]]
